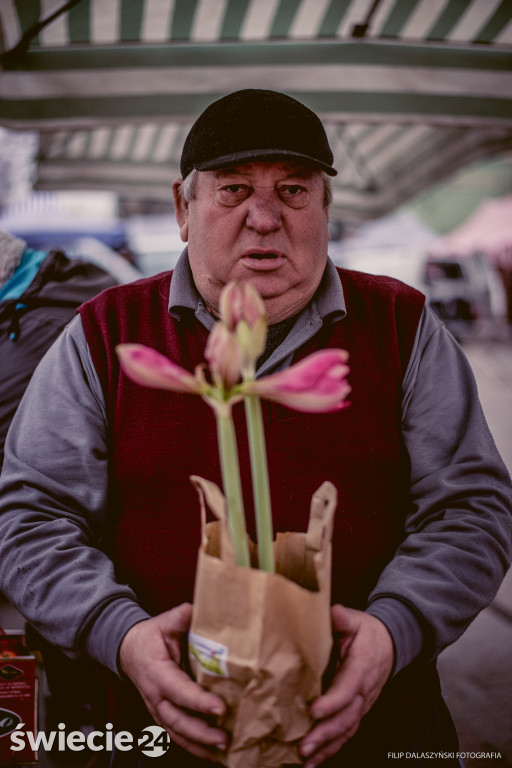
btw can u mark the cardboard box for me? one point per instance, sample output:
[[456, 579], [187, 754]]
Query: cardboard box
[[18, 696]]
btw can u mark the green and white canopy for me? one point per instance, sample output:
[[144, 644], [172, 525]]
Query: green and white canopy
[[409, 90]]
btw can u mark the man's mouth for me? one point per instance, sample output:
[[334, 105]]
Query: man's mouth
[[263, 261], [261, 256]]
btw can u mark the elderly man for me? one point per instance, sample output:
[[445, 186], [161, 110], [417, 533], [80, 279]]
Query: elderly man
[[99, 527]]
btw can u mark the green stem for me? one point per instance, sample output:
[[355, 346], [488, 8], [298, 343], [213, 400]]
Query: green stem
[[260, 483], [232, 487]]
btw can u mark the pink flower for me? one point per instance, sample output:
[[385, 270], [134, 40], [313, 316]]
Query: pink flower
[[241, 303], [224, 357], [148, 367], [253, 306], [243, 312], [316, 384], [231, 300]]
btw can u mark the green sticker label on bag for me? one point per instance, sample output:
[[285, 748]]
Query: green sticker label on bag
[[210, 655]]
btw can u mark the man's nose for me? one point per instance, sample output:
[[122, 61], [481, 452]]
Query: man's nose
[[264, 214]]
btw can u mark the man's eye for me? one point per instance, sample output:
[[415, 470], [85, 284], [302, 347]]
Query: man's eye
[[294, 195], [233, 194]]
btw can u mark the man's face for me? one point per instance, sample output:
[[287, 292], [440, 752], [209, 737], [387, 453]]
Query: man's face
[[263, 223]]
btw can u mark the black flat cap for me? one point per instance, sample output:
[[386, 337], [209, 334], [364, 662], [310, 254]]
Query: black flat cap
[[255, 124]]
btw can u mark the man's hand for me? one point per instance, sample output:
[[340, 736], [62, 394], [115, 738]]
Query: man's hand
[[365, 662], [151, 655]]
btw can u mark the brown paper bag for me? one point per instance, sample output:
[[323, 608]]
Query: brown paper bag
[[262, 641]]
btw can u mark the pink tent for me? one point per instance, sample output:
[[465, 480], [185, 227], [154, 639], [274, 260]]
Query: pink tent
[[488, 231]]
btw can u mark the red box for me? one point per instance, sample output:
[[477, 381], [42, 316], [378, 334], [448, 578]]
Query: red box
[[18, 696]]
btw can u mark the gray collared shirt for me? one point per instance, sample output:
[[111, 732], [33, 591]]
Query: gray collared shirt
[[54, 492], [326, 306]]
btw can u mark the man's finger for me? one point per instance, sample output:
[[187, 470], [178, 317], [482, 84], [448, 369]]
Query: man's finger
[[180, 689], [327, 750], [339, 727], [177, 620], [178, 722], [345, 621]]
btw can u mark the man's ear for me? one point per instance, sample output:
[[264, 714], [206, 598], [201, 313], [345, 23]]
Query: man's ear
[[181, 208]]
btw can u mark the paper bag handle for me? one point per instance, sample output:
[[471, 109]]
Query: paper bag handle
[[212, 497], [321, 517]]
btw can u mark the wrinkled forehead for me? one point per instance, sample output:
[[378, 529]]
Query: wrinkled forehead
[[266, 169]]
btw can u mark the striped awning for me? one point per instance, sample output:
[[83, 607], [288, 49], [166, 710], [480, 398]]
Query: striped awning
[[409, 90]]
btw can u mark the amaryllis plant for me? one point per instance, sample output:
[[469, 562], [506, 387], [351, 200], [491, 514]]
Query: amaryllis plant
[[316, 384]]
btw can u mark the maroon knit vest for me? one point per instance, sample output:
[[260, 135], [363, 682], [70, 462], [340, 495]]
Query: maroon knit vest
[[158, 439]]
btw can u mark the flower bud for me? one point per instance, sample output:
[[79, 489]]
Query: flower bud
[[231, 305], [224, 357], [243, 311], [253, 308]]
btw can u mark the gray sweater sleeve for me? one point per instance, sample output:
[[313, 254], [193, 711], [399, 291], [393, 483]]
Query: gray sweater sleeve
[[53, 500], [458, 535]]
